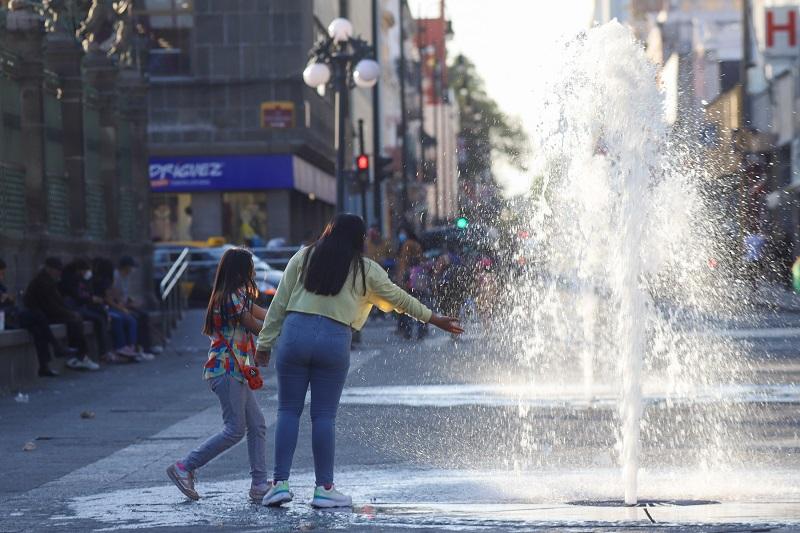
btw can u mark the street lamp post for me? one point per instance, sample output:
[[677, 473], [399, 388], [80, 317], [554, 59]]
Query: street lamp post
[[341, 61]]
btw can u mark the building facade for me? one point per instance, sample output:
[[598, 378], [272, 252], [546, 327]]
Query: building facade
[[73, 174], [440, 122], [240, 147]]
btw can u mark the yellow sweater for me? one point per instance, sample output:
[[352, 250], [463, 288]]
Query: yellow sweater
[[349, 306]]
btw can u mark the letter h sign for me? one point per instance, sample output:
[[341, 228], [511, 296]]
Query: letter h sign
[[781, 32]]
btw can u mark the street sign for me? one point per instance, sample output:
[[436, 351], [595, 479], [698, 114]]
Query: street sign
[[279, 114], [781, 32]]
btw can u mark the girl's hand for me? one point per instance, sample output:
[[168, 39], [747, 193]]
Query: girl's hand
[[446, 323], [262, 358]]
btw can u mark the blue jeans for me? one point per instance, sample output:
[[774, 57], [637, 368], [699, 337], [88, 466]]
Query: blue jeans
[[123, 329], [314, 351], [240, 414]]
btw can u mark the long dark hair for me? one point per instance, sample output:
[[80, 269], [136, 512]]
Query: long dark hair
[[339, 250], [235, 271]]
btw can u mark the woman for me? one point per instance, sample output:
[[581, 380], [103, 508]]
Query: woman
[[327, 289]]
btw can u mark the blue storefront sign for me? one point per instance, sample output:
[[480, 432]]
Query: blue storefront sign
[[221, 173]]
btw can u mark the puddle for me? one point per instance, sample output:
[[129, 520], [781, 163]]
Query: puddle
[[463, 499]]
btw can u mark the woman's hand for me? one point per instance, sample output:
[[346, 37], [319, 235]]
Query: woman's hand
[[262, 357], [446, 323]]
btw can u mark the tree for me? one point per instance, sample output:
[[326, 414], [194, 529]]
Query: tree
[[486, 131]]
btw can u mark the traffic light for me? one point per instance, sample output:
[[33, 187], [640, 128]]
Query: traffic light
[[362, 168], [383, 167], [462, 223]]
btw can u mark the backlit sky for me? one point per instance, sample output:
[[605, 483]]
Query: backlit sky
[[510, 41]]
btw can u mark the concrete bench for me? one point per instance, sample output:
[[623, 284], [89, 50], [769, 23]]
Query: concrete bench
[[18, 362]]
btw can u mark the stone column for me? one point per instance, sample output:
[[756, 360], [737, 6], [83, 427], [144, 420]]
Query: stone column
[[101, 73], [63, 56], [133, 104], [25, 33]]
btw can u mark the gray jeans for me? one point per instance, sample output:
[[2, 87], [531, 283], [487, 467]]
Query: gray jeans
[[240, 414]]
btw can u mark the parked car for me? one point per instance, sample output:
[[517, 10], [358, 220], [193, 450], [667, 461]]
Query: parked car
[[198, 280]]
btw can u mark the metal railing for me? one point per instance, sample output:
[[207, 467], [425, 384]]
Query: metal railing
[[172, 303]]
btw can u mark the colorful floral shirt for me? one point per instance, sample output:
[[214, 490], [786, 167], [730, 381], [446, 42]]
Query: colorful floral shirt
[[229, 335]]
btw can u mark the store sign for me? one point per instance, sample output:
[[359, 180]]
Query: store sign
[[277, 114], [781, 32], [221, 173]]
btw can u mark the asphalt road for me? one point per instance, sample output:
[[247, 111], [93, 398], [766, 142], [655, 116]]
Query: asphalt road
[[432, 435]]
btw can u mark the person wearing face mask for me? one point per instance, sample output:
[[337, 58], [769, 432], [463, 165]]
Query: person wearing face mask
[[75, 286], [409, 254]]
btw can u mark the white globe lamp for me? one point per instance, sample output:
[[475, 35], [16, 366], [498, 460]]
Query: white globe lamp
[[316, 74], [340, 30], [366, 73]]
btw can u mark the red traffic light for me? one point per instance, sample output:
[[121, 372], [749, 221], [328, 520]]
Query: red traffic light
[[362, 162]]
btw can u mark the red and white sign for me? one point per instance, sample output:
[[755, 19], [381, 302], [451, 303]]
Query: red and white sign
[[781, 31]]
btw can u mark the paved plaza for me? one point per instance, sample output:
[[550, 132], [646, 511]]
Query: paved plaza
[[435, 435]]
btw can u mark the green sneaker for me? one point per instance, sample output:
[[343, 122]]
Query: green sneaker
[[330, 498], [278, 494]]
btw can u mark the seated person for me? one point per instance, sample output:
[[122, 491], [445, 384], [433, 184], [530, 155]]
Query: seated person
[[42, 296], [74, 285], [35, 323], [135, 306], [124, 328]]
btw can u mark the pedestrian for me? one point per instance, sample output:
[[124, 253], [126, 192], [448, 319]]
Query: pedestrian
[[754, 245], [42, 295], [327, 289], [376, 248], [231, 320], [36, 324], [409, 255]]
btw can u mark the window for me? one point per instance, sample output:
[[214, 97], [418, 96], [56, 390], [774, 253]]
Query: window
[[245, 218], [729, 75], [167, 25]]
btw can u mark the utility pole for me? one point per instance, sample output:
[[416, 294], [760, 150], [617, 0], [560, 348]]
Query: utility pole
[[745, 66], [363, 185], [403, 118], [377, 148]]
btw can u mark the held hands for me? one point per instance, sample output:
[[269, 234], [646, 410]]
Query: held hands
[[262, 357], [446, 323]]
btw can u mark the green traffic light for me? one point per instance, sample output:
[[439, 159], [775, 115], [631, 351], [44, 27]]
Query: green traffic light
[[462, 223]]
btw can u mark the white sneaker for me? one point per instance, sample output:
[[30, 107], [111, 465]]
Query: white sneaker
[[330, 498], [278, 494], [157, 349], [127, 351], [82, 364], [88, 364], [145, 356]]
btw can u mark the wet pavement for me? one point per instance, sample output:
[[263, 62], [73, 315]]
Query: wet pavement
[[435, 435]]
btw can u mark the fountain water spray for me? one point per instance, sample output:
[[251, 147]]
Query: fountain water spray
[[618, 217]]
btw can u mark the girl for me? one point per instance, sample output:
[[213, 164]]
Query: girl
[[327, 289], [231, 320]]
